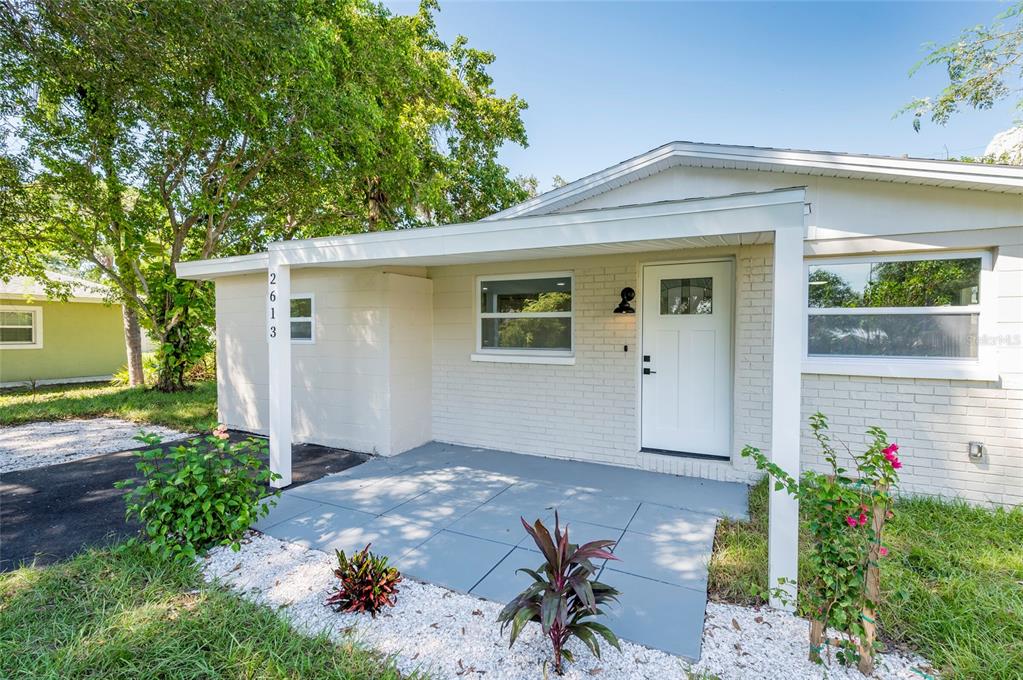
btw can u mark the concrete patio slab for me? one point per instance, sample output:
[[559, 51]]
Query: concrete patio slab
[[385, 535], [372, 495], [579, 533], [682, 525], [496, 521], [449, 515], [320, 528], [438, 509], [662, 559], [452, 560], [503, 583], [287, 507], [655, 614], [725, 499], [604, 510]]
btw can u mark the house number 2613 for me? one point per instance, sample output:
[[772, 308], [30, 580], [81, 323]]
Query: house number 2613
[[272, 326]]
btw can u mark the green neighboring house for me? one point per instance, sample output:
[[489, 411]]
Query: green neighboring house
[[52, 341]]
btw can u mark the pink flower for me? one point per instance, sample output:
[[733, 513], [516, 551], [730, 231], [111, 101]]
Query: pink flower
[[851, 521], [863, 518], [220, 432], [890, 449], [896, 463], [884, 551]]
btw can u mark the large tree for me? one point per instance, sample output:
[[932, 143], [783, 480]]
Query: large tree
[[984, 66], [142, 133]]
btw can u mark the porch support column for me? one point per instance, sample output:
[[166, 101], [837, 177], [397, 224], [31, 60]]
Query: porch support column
[[787, 320], [278, 332]]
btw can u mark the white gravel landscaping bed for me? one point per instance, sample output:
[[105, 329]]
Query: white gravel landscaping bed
[[33, 445], [452, 635]]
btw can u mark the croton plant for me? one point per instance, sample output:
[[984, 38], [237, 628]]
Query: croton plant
[[563, 597], [368, 583]]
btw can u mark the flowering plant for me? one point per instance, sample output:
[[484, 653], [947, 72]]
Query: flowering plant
[[845, 517]]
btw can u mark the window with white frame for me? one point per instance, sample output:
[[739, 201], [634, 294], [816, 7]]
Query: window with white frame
[[21, 327], [525, 314], [302, 319], [910, 307]]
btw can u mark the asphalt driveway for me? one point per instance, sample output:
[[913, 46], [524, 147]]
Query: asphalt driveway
[[49, 513]]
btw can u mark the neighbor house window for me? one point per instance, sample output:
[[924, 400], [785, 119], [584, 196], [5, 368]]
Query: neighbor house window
[[302, 319], [898, 307], [21, 327], [525, 314]]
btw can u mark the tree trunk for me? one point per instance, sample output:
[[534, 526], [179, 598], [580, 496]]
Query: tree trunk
[[170, 375], [133, 344]]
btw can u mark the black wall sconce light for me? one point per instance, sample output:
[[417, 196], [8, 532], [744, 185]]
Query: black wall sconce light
[[628, 295]]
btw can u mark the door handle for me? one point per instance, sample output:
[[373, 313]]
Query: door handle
[[647, 371]]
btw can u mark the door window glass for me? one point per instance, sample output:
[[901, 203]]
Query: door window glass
[[687, 296]]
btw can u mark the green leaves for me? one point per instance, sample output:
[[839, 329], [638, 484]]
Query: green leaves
[[197, 494], [140, 139], [983, 66], [845, 518]]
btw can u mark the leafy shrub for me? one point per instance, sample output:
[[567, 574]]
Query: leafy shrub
[[845, 518], [204, 369], [368, 584], [563, 597], [149, 368], [198, 494]]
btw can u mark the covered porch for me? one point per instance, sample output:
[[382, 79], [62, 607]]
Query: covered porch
[[670, 231]]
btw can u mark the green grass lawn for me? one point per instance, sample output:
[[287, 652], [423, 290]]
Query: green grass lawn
[[952, 583], [125, 614], [194, 410]]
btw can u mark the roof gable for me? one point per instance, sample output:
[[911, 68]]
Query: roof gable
[[928, 172]]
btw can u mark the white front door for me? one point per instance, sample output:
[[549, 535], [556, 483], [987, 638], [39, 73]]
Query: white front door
[[687, 357]]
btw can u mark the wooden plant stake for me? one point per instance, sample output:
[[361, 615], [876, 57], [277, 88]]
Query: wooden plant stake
[[817, 641], [872, 594]]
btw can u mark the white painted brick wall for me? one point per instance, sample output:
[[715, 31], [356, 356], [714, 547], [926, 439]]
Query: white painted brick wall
[[932, 420], [581, 412], [587, 411], [752, 355], [584, 412]]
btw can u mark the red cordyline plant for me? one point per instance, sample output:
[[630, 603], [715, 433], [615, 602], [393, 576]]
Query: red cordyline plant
[[844, 515], [368, 584], [562, 597]]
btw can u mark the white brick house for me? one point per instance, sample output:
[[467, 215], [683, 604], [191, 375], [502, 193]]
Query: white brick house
[[502, 333]]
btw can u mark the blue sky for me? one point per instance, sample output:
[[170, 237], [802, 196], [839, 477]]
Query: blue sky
[[608, 80]]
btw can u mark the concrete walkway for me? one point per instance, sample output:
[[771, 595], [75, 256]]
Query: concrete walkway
[[449, 515]]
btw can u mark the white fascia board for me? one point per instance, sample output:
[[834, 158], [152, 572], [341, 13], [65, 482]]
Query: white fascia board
[[996, 177], [737, 214], [582, 188], [918, 168], [199, 270]]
